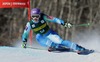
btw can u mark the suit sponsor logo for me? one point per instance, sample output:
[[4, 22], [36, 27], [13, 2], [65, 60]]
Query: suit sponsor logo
[[33, 25], [42, 21], [39, 28]]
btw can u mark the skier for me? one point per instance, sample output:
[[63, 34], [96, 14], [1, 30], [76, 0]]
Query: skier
[[45, 35]]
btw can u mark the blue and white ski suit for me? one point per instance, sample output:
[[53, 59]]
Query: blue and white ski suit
[[46, 36]]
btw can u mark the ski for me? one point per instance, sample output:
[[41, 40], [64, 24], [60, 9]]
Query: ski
[[89, 51]]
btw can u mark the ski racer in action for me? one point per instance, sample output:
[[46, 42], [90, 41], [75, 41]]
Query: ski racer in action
[[45, 35]]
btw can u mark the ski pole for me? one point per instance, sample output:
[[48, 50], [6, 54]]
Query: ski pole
[[86, 24], [36, 48]]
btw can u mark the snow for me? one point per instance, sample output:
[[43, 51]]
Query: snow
[[16, 54]]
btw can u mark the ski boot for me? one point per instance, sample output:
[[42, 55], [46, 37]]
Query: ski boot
[[83, 51], [50, 49]]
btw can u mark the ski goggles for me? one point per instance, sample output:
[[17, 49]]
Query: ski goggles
[[37, 16]]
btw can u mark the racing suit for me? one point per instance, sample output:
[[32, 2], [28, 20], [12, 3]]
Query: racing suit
[[46, 36]]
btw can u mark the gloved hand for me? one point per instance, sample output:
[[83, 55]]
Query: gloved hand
[[24, 44], [67, 25]]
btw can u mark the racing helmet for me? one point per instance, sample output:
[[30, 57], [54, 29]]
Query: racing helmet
[[35, 11]]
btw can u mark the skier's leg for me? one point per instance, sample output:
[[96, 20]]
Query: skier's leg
[[77, 48], [46, 42], [43, 41], [56, 39], [72, 45]]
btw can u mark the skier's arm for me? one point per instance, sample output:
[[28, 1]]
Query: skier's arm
[[25, 34], [57, 20], [53, 19]]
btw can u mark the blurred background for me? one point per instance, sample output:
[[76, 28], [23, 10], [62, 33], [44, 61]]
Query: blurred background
[[13, 20]]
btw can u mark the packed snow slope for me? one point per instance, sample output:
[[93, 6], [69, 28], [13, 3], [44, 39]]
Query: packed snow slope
[[16, 54], [89, 40]]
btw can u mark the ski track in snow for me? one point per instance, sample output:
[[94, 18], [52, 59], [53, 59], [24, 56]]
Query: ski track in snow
[[16, 54]]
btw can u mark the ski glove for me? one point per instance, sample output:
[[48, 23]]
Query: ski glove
[[24, 44], [67, 25]]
